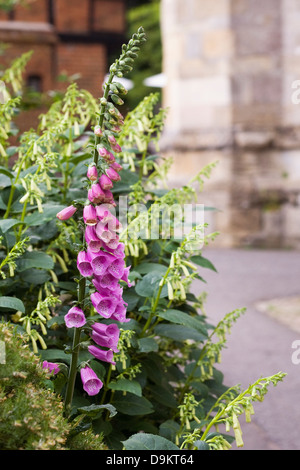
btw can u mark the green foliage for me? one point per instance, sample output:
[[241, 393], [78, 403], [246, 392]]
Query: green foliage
[[150, 61], [165, 383]]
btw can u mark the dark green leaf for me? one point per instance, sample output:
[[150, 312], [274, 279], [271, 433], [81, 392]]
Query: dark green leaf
[[204, 262], [35, 259], [179, 333], [147, 345], [93, 410], [125, 385], [132, 404], [12, 303], [145, 441], [181, 318]]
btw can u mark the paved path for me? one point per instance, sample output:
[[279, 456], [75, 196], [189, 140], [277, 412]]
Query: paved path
[[258, 344]]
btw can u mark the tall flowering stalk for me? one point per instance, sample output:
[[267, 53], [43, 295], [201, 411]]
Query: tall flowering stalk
[[102, 257]]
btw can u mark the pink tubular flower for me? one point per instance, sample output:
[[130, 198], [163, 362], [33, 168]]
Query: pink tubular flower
[[51, 366], [84, 264], [92, 173], [91, 383], [97, 194], [89, 215], [107, 336], [97, 130], [112, 174], [120, 314], [125, 276], [100, 261], [116, 166], [116, 268], [66, 213], [112, 139], [105, 306], [105, 182], [94, 243], [104, 233], [75, 318], [108, 281], [116, 148], [106, 356]]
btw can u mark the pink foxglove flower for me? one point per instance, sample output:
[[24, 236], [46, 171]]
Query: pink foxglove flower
[[92, 173], [116, 148], [100, 262], [104, 233], [116, 166], [108, 281], [120, 314], [75, 318], [93, 242], [89, 215], [66, 213], [105, 306], [112, 174], [91, 383], [112, 139], [97, 193], [106, 356], [97, 130], [105, 182], [111, 331], [84, 264], [125, 276], [51, 366], [116, 268], [110, 342]]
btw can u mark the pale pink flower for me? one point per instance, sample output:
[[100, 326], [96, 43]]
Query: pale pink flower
[[112, 174], [89, 215], [66, 213], [92, 173], [105, 182]]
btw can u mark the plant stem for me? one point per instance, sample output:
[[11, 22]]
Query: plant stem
[[13, 188], [75, 352], [101, 117]]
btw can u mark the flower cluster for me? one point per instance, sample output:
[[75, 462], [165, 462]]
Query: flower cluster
[[102, 260]]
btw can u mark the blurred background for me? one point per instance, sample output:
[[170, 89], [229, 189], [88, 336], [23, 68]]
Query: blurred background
[[229, 71], [226, 69]]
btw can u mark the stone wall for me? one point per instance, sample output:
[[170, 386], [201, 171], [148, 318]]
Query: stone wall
[[230, 66]]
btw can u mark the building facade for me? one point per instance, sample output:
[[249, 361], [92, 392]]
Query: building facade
[[67, 38], [232, 69]]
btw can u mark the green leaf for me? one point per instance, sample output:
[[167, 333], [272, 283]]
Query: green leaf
[[179, 332], [181, 318], [147, 345], [149, 285], [35, 259], [145, 441], [6, 224], [12, 303], [204, 262], [93, 410], [132, 404], [49, 213], [145, 268], [125, 385]]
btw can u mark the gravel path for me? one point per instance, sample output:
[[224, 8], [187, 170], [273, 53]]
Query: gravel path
[[258, 345]]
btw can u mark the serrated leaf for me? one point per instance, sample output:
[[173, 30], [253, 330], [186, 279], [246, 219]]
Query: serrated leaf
[[145, 441]]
